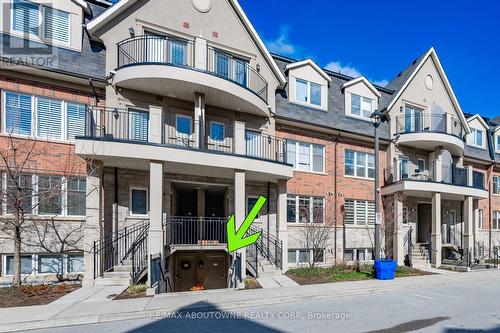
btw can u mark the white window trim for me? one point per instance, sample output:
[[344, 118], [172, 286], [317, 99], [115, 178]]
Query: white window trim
[[311, 209], [4, 264], [34, 118], [473, 137], [361, 117], [355, 176], [496, 215], [480, 219], [356, 252], [138, 188], [311, 157], [41, 36], [294, 99], [492, 185], [366, 222], [311, 257]]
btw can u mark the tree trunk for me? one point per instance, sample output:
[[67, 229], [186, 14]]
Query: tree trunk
[[16, 281]]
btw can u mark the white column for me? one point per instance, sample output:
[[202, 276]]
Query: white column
[[239, 138], [155, 239], [438, 164], [239, 211], [94, 212], [200, 53], [470, 175], [281, 226], [449, 123], [155, 124], [468, 221], [199, 120], [399, 231], [436, 230]]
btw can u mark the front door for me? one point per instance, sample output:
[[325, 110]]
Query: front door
[[424, 222], [185, 275], [216, 273]]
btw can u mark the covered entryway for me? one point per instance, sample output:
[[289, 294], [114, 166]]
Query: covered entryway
[[199, 200], [200, 268], [424, 222]]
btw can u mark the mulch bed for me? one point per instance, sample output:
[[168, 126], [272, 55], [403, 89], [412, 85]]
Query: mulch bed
[[252, 283], [33, 295], [133, 292]]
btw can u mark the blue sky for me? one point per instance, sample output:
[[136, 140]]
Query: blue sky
[[378, 39]]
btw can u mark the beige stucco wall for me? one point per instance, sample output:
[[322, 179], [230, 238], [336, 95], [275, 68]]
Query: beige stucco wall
[[362, 90]]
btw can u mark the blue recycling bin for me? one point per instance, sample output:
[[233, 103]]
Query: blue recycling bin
[[385, 269]]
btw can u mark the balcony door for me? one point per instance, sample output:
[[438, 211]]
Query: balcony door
[[231, 67], [163, 49], [404, 167], [413, 119], [138, 125]]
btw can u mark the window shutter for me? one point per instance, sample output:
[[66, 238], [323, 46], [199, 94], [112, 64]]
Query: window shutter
[[18, 114], [25, 17], [75, 120], [56, 24], [349, 212], [49, 118]]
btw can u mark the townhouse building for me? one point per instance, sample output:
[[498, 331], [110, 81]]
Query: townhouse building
[[174, 116]]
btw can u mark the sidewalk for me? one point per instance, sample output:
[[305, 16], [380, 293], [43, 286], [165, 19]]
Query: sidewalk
[[83, 313]]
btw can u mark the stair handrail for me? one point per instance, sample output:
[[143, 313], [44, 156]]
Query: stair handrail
[[274, 253], [408, 241]]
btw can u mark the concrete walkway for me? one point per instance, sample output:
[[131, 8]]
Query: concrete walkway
[[81, 313], [277, 281]]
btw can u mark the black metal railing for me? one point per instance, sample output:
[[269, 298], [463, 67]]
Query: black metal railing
[[161, 50], [129, 243], [237, 70], [213, 134], [185, 230], [478, 180], [408, 244], [452, 235], [269, 247], [428, 122]]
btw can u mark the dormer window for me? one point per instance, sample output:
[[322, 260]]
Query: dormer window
[[361, 106], [497, 143], [308, 92], [476, 137]]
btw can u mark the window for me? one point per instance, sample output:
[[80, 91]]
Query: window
[[308, 92], [497, 142], [413, 119], [359, 164], [18, 115], [43, 117], [359, 212], [254, 143], [361, 106], [56, 25], [51, 264], [476, 137], [251, 201], [231, 67], [75, 263], [496, 220], [26, 17], [305, 209], [49, 195], [75, 120], [358, 254], [139, 125], [178, 52], [138, 201], [421, 165], [480, 221], [305, 156], [217, 131], [49, 116], [19, 189], [77, 194], [496, 185], [305, 256], [184, 129], [26, 265]]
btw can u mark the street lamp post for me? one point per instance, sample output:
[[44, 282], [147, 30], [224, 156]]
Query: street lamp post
[[377, 118]]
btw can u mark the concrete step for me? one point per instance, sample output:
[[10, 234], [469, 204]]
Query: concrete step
[[112, 282], [118, 275], [123, 268], [270, 273]]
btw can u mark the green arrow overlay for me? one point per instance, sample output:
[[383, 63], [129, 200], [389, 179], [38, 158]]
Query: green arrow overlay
[[237, 240]]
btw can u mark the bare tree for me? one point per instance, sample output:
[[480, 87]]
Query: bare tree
[[28, 187], [318, 229]]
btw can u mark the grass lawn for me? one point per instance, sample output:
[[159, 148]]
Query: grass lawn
[[137, 291], [33, 295], [314, 275]]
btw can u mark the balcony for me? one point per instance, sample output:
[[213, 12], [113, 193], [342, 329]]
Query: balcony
[[421, 181], [427, 131], [180, 68], [127, 135], [195, 232]]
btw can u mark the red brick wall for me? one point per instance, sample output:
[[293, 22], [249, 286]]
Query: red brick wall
[[314, 184]]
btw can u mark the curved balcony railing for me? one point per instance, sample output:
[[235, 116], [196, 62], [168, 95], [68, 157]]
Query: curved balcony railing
[[158, 50], [428, 122]]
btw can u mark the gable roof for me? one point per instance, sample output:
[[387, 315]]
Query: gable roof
[[401, 82], [480, 119], [365, 81], [122, 5], [309, 62]]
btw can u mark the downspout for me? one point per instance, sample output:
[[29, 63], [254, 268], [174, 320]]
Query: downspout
[[115, 204], [268, 220], [335, 205], [490, 205]]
